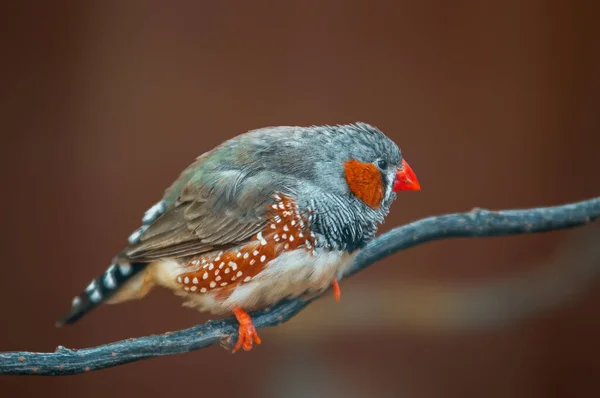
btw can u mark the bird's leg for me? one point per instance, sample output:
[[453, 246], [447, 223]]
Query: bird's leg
[[246, 333], [312, 294], [337, 292]]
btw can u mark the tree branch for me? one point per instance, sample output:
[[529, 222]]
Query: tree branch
[[476, 223]]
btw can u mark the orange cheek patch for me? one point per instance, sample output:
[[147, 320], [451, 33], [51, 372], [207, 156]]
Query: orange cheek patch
[[364, 180]]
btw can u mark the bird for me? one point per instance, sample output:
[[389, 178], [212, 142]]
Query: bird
[[270, 214]]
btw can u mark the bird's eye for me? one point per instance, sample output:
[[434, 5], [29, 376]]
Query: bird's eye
[[382, 164]]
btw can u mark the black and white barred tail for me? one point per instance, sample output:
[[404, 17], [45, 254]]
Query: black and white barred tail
[[118, 274], [100, 290]]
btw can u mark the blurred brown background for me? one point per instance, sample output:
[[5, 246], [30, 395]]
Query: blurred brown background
[[495, 104]]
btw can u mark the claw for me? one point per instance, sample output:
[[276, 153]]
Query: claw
[[246, 333], [337, 292]]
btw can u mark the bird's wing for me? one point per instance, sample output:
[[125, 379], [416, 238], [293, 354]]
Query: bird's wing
[[212, 212]]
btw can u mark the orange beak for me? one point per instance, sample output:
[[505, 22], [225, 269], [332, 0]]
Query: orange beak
[[406, 180]]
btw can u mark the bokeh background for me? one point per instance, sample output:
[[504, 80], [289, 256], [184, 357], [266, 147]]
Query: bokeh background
[[495, 104]]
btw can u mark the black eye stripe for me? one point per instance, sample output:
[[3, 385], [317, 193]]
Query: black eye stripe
[[384, 180]]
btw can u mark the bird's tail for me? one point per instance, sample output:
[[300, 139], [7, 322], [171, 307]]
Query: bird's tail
[[102, 289]]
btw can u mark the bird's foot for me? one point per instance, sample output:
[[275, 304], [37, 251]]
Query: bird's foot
[[337, 292], [246, 333]]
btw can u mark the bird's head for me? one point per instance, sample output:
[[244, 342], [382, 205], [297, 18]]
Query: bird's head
[[355, 160], [360, 161], [347, 176]]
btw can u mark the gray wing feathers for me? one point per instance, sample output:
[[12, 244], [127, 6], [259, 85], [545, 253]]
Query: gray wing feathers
[[213, 213]]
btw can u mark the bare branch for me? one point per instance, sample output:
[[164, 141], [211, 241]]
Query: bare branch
[[476, 223]]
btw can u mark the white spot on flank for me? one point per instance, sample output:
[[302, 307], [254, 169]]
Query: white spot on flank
[[227, 270], [277, 197], [293, 223], [195, 281], [239, 273], [233, 265], [186, 288], [283, 236], [194, 288], [300, 235], [218, 278], [211, 266], [125, 269], [179, 279], [276, 237], [224, 284], [285, 227], [281, 206], [252, 261], [246, 255], [186, 280], [96, 296], [238, 255], [217, 272], [255, 253], [261, 239], [246, 279], [205, 275], [291, 238], [203, 290], [221, 265], [263, 258], [213, 284], [286, 246], [273, 226], [274, 207]]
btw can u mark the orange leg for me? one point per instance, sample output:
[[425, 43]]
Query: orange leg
[[246, 332], [337, 292]]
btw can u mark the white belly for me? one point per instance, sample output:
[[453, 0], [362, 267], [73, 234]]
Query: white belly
[[290, 275]]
